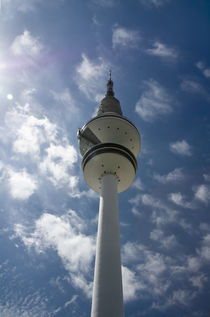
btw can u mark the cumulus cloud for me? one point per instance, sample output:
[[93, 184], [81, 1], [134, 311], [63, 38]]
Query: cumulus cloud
[[181, 147], [205, 70], [32, 134], [172, 177], [202, 193], [206, 177], [162, 50], [57, 163], [90, 77], [155, 273], [198, 280], [166, 242], [123, 37], [154, 102], [194, 87], [183, 297], [44, 142], [131, 285], [179, 199], [138, 184], [149, 269], [27, 45], [66, 236], [11, 7], [205, 248], [22, 184]]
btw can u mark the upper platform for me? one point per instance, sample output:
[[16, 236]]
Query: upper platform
[[109, 144]]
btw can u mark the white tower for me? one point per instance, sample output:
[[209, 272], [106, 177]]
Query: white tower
[[109, 144]]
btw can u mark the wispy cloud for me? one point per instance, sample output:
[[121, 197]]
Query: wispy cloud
[[179, 200], [202, 193], [154, 101], [205, 248], [205, 70], [181, 147], [11, 7], [58, 162], [206, 177], [172, 177], [65, 98], [46, 148], [27, 45], [66, 236], [162, 50], [22, 184], [131, 285], [155, 272], [138, 184], [91, 77], [155, 3], [32, 133], [166, 242], [123, 37], [194, 87]]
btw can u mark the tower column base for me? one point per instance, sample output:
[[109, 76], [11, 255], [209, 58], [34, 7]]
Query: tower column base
[[107, 298]]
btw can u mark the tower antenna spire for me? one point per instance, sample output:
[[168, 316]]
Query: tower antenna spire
[[110, 91]]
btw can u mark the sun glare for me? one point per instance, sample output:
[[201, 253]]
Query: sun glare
[[10, 97]]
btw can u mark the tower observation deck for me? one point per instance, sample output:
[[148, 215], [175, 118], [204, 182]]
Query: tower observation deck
[[109, 144]]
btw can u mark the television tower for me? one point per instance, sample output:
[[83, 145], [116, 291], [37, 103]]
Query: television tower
[[109, 144]]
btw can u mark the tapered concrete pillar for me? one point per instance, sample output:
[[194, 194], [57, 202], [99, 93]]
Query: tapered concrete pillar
[[109, 144], [107, 298]]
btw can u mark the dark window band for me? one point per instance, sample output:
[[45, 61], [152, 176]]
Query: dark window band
[[109, 148]]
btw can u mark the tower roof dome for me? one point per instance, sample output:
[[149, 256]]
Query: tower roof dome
[[109, 103]]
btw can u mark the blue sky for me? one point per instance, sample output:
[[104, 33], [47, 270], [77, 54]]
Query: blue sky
[[54, 62]]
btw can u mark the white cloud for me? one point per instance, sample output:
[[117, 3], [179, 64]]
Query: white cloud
[[131, 284], [198, 280], [174, 176], [205, 70], [11, 7], [47, 145], [155, 3], [166, 242], [32, 134], [91, 77], [206, 177], [59, 161], [149, 271], [204, 252], [154, 101], [66, 99], [193, 87], [183, 297], [64, 235], [194, 263], [162, 50], [123, 37], [202, 193], [27, 45], [156, 234], [181, 147], [179, 199], [22, 184], [138, 184]]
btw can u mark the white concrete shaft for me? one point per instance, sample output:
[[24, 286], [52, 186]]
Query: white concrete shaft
[[107, 298]]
